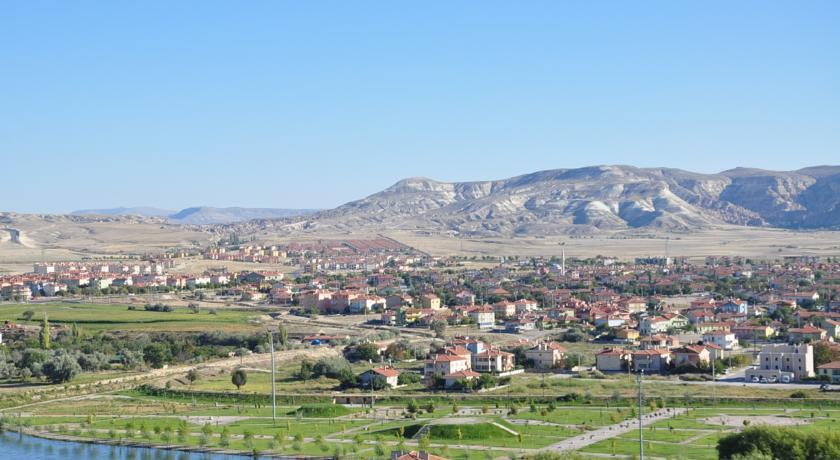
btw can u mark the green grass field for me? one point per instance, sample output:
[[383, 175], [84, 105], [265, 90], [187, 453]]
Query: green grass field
[[355, 432], [98, 317]]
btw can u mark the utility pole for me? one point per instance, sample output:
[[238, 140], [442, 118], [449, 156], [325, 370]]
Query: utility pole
[[714, 377], [641, 432], [273, 381]]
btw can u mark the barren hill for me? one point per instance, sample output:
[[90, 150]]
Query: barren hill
[[598, 198]]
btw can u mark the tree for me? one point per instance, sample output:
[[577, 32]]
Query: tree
[[367, 351], [192, 376], [439, 326], [239, 378], [44, 337], [77, 333], [157, 354], [282, 335], [60, 368], [27, 315], [823, 353], [305, 372]]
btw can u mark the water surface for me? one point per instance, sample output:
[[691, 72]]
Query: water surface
[[21, 447]]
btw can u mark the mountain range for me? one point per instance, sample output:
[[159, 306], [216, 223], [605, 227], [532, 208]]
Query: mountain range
[[597, 198], [201, 215]]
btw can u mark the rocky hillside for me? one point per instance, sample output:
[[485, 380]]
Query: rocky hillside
[[598, 198]]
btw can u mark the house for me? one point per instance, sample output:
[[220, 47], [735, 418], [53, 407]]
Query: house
[[388, 318], [493, 360], [735, 306], [365, 304], [806, 333], [455, 377], [610, 321], [832, 370], [465, 298], [651, 360], [526, 306], [430, 301], [633, 305], [690, 355], [654, 325], [725, 340], [832, 328], [658, 342], [389, 375], [783, 361], [516, 326], [471, 344], [484, 317], [504, 309], [612, 360], [709, 327], [748, 332], [445, 364], [699, 315], [627, 334], [546, 355]]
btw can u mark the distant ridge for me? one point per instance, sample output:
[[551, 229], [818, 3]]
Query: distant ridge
[[597, 198], [201, 215], [144, 211]]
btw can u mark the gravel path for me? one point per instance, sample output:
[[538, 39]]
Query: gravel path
[[611, 431]]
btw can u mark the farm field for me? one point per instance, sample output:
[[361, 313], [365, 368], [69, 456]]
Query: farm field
[[98, 317]]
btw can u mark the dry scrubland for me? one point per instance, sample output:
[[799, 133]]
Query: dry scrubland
[[58, 239], [725, 241]]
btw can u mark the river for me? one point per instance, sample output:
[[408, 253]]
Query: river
[[22, 447]]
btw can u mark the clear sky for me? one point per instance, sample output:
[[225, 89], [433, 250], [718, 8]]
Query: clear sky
[[315, 103]]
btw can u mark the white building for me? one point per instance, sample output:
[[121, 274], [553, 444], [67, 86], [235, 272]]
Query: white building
[[782, 362], [724, 339]]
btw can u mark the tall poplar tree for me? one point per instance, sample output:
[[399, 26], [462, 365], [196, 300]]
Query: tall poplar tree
[[45, 333]]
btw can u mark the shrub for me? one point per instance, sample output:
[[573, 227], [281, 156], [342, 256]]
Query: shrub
[[782, 443]]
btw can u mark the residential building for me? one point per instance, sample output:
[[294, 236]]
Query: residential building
[[546, 355], [779, 360], [484, 317], [725, 340], [389, 375], [806, 333], [832, 370], [612, 360], [430, 301], [493, 360], [690, 355], [445, 364], [651, 361]]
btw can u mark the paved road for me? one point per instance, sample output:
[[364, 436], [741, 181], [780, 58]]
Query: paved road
[[611, 431]]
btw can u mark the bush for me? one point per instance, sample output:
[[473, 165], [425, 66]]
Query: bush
[[781, 443], [61, 368], [799, 394], [408, 378], [159, 307]]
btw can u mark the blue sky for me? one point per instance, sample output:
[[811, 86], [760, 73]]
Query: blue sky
[[315, 103]]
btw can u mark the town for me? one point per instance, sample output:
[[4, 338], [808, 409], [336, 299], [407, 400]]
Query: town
[[371, 322]]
